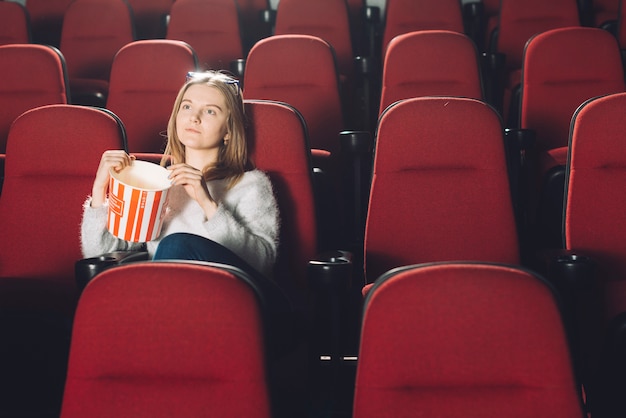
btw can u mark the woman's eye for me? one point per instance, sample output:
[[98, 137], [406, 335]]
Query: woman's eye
[[210, 112]]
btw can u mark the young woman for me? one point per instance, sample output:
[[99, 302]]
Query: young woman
[[220, 209]]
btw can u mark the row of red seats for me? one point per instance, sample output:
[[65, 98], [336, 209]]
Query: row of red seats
[[437, 339], [590, 62], [443, 206]]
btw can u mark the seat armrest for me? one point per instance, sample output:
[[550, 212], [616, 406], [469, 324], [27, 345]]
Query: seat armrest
[[371, 14], [331, 271], [474, 22], [570, 270], [268, 17], [573, 275], [329, 278], [492, 67], [88, 268], [357, 159], [237, 68]]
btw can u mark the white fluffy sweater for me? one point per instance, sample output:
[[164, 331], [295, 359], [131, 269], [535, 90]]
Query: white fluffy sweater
[[246, 222]]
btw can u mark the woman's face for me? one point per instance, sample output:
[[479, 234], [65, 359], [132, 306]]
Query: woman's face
[[201, 122]]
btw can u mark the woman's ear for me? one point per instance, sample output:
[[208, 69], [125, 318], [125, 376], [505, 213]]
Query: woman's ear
[[226, 138]]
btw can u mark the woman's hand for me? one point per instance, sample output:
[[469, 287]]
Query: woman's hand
[[194, 184], [112, 159]]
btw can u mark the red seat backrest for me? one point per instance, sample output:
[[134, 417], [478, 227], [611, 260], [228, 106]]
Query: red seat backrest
[[402, 16], [562, 69], [326, 19], [52, 156], [14, 23], [519, 21], [212, 29], [440, 189], [145, 79], [93, 32], [37, 76], [164, 339], [430, 63], [443, 339], [299, 70], [594, 203], [277, 144]]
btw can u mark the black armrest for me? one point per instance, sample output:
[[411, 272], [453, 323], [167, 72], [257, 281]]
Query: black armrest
[[87, 268], [237, 68], [573, 275], [492, 66], [329, 278], [268, 17], [331, 271], [518, 143], [475, 22], [371, 16], [571, 272], [357, 157]]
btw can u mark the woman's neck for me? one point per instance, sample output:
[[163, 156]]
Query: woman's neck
[[200, 159]]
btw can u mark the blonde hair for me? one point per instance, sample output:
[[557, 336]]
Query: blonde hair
[[232, 160]]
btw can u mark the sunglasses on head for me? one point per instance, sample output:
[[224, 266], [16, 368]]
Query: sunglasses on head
[[199, 76]]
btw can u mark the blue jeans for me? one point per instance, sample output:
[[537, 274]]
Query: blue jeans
[[183, 246]]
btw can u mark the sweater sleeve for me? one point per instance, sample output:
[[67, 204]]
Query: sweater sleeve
[[95, 238], [248, 223]]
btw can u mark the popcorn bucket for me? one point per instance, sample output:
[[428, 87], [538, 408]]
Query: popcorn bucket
[[137, 201]]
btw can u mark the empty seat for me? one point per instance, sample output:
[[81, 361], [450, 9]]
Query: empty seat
[[402, 16], [517, 23], [326, 19], [440, 188], [430, 63], [37, 76], [562, 68], [145, 79], [277, 144], [212, 29], [592, 229], [161, 339], [299, 70], [93, 32], [596, 170], [52, 154], [448, 339], [14, 23]]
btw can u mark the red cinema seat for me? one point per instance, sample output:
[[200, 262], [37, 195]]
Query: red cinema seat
[[36, 77], [145, 79], [440, 189], [93, 32], [14, 23], [402, 16], [162, 339], [451, 339], [212, 29], [430, 63]]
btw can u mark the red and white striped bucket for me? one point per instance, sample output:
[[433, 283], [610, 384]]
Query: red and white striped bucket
[[137, 201]]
